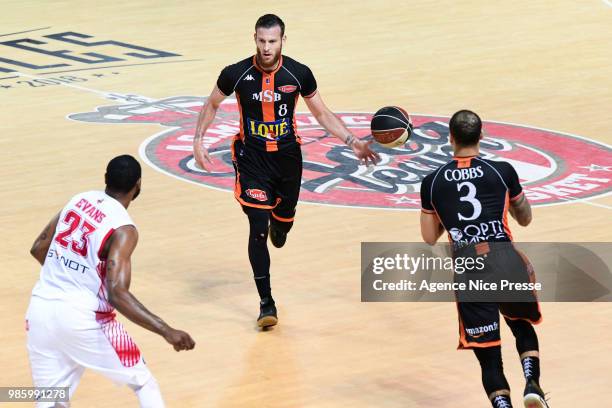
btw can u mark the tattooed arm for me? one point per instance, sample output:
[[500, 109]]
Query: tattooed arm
[[118, 277], [41, 244], [520, 209]]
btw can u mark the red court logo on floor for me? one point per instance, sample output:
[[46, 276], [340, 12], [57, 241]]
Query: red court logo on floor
[[554, 168]]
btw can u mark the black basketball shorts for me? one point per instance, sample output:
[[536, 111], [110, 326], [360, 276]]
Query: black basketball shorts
[[268, 180], [479, 321]]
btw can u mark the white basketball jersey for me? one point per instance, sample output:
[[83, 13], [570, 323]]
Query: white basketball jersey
[[73, 270]]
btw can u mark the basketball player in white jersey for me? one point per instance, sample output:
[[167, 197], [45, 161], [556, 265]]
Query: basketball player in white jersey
[[86, 269]]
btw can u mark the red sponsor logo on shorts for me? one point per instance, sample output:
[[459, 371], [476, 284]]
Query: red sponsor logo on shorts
[[257, 194], [287, 88]]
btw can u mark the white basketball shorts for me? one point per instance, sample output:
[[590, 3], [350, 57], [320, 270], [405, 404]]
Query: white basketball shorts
[[63, 341]]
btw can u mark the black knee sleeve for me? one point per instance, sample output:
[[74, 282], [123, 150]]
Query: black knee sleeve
[[526, 337], [526, 340], [259, 257], [258, 225], [490, 360]]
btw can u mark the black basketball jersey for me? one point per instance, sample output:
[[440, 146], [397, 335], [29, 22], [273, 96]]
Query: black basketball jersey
[[471, 196], [267, 100]]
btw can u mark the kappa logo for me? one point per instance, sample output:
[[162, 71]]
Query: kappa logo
[[287, 88], [257, 194], [249, 78], [554, 168]]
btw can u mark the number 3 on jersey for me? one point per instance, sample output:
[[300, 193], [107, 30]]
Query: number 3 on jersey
[[470, 197], [65, 238]]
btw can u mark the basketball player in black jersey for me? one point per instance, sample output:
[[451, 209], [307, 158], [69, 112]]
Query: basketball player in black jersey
[[266, 152], [469, 197]]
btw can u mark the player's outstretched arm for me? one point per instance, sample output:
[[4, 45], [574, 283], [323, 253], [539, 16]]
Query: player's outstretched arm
[[333, 125], [118, 277], [41, 244], [520, 209], [206, 117], [431, 228]]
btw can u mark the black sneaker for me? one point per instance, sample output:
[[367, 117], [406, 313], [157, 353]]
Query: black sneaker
[[277, 237], [267, 313], [533, 397]]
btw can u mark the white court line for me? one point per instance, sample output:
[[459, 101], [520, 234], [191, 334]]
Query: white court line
[[584, 201], [607, 3], [115, 96]]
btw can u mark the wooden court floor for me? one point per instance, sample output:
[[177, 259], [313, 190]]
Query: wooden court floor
[[543, 64]]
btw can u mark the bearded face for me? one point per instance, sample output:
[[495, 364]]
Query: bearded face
[[269, 44]]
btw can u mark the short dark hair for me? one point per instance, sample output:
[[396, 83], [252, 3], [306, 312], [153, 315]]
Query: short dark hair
[[465, 126], [122, 173], [269, 21]]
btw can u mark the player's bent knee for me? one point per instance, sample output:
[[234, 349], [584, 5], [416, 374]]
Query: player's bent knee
[[258, 224], [284, 226], [489, 357], [526, 337], [149, 394]]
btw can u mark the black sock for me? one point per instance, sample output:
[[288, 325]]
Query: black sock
[[258, 250], [526, 343], [501, 401], [531, 368]]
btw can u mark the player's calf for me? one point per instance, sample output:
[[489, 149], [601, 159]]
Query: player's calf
[[493, 379], [277, 237], [279, 230]]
